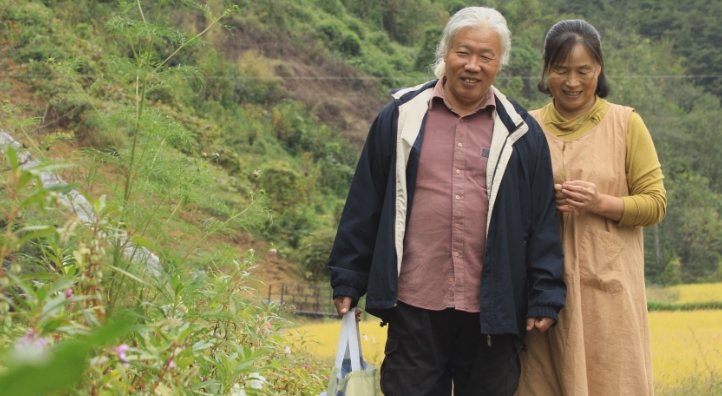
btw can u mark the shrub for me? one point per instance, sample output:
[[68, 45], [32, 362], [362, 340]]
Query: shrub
[[315, 249], [284, 184], [349, 44]]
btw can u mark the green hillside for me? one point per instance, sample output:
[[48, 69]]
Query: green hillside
[[289, 89]]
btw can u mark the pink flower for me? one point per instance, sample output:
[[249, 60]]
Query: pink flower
[[305, 366], [31, 347], [32, 340], [273, 252], [268, 326], [69, 293], [120, 350], [170, 364]]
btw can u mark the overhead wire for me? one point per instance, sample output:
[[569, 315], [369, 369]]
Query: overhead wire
[[243, 77]]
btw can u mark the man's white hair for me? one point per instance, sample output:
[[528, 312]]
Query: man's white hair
[[472, 17]]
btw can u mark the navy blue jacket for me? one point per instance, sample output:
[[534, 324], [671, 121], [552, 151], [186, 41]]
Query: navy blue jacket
[[522, 275]]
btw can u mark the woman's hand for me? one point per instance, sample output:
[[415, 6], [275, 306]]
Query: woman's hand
[[561, 199], [583, 195]]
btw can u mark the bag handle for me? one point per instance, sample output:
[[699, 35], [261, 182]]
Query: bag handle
[[349, 343]]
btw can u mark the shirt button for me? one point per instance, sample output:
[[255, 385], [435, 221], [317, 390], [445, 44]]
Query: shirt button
[[451, 280], [458, 197], [458, 171], [456, 226], [456, 254], [459, 144]]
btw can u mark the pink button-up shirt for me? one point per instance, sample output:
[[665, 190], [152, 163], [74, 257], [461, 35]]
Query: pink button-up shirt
[[446, 233]]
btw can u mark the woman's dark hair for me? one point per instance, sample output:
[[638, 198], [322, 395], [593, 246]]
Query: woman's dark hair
[[559, 43]]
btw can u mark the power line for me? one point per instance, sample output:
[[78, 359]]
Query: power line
[[230, 77]]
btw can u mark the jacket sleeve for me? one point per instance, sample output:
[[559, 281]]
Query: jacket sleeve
[[353, 248], [545, 257]]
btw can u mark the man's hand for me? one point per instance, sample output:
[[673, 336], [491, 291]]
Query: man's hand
[[343, 305], [540, 323]]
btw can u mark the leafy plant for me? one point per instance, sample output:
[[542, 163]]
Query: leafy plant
[[98, 300]]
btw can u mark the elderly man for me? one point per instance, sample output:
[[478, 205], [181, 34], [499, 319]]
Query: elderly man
[[450, 226]]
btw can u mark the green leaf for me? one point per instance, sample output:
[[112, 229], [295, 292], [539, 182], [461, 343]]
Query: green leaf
[[61, 188], [141, 241], [37, 170], [37, 233], [37, 197], [200, 345], [24, 179], [126, 273], [12, 157], [61, 370]]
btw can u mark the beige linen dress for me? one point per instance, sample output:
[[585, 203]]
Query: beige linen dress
[[600, 346]]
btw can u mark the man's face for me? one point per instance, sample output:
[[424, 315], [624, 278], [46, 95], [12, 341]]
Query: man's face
[[473, 60]]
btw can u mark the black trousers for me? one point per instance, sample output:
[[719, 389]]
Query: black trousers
[[429, 353]]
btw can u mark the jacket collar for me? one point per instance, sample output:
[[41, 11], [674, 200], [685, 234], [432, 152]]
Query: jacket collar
[[506, 110]]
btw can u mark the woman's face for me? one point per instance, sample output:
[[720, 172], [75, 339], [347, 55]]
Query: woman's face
[[573, 84]]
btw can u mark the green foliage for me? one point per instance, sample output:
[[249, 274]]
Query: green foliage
[[694, 226], [335, 35], [366, 10], [284, 184], [657, 306], [333, 7], [519, 78], [406, 30], [671, 274], [314, 250], [427, 53], [194, 327]]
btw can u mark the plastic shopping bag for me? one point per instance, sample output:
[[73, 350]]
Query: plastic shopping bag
[[351, 376]]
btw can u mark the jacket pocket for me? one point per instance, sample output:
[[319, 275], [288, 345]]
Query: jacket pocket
[[600, 264]]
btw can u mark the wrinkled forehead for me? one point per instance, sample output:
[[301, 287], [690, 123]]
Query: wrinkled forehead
[[477, 36]]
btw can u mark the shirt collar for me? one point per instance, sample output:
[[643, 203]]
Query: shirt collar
[[438, 95], [594, 115]]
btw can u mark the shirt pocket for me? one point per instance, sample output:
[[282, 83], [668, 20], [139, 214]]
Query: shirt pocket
[[600, 263]]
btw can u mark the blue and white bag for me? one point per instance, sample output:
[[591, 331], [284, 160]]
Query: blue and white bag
[[351, 376]]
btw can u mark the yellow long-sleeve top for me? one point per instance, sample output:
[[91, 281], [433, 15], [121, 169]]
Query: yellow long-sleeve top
[[647, 203]]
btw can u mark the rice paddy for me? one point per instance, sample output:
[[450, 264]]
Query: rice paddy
[[685, 345]]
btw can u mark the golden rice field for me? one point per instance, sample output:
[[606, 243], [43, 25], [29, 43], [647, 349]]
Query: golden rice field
[[685, 344], [698, 293]]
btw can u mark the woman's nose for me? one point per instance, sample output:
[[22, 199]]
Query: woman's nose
[[572, 79]]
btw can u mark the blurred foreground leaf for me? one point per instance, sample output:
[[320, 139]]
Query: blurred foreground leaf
[[61, 369]]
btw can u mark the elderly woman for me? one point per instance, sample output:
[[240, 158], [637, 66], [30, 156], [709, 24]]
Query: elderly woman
[[608, 185]]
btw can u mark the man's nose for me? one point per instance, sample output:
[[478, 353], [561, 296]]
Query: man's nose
[[473, 64]]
